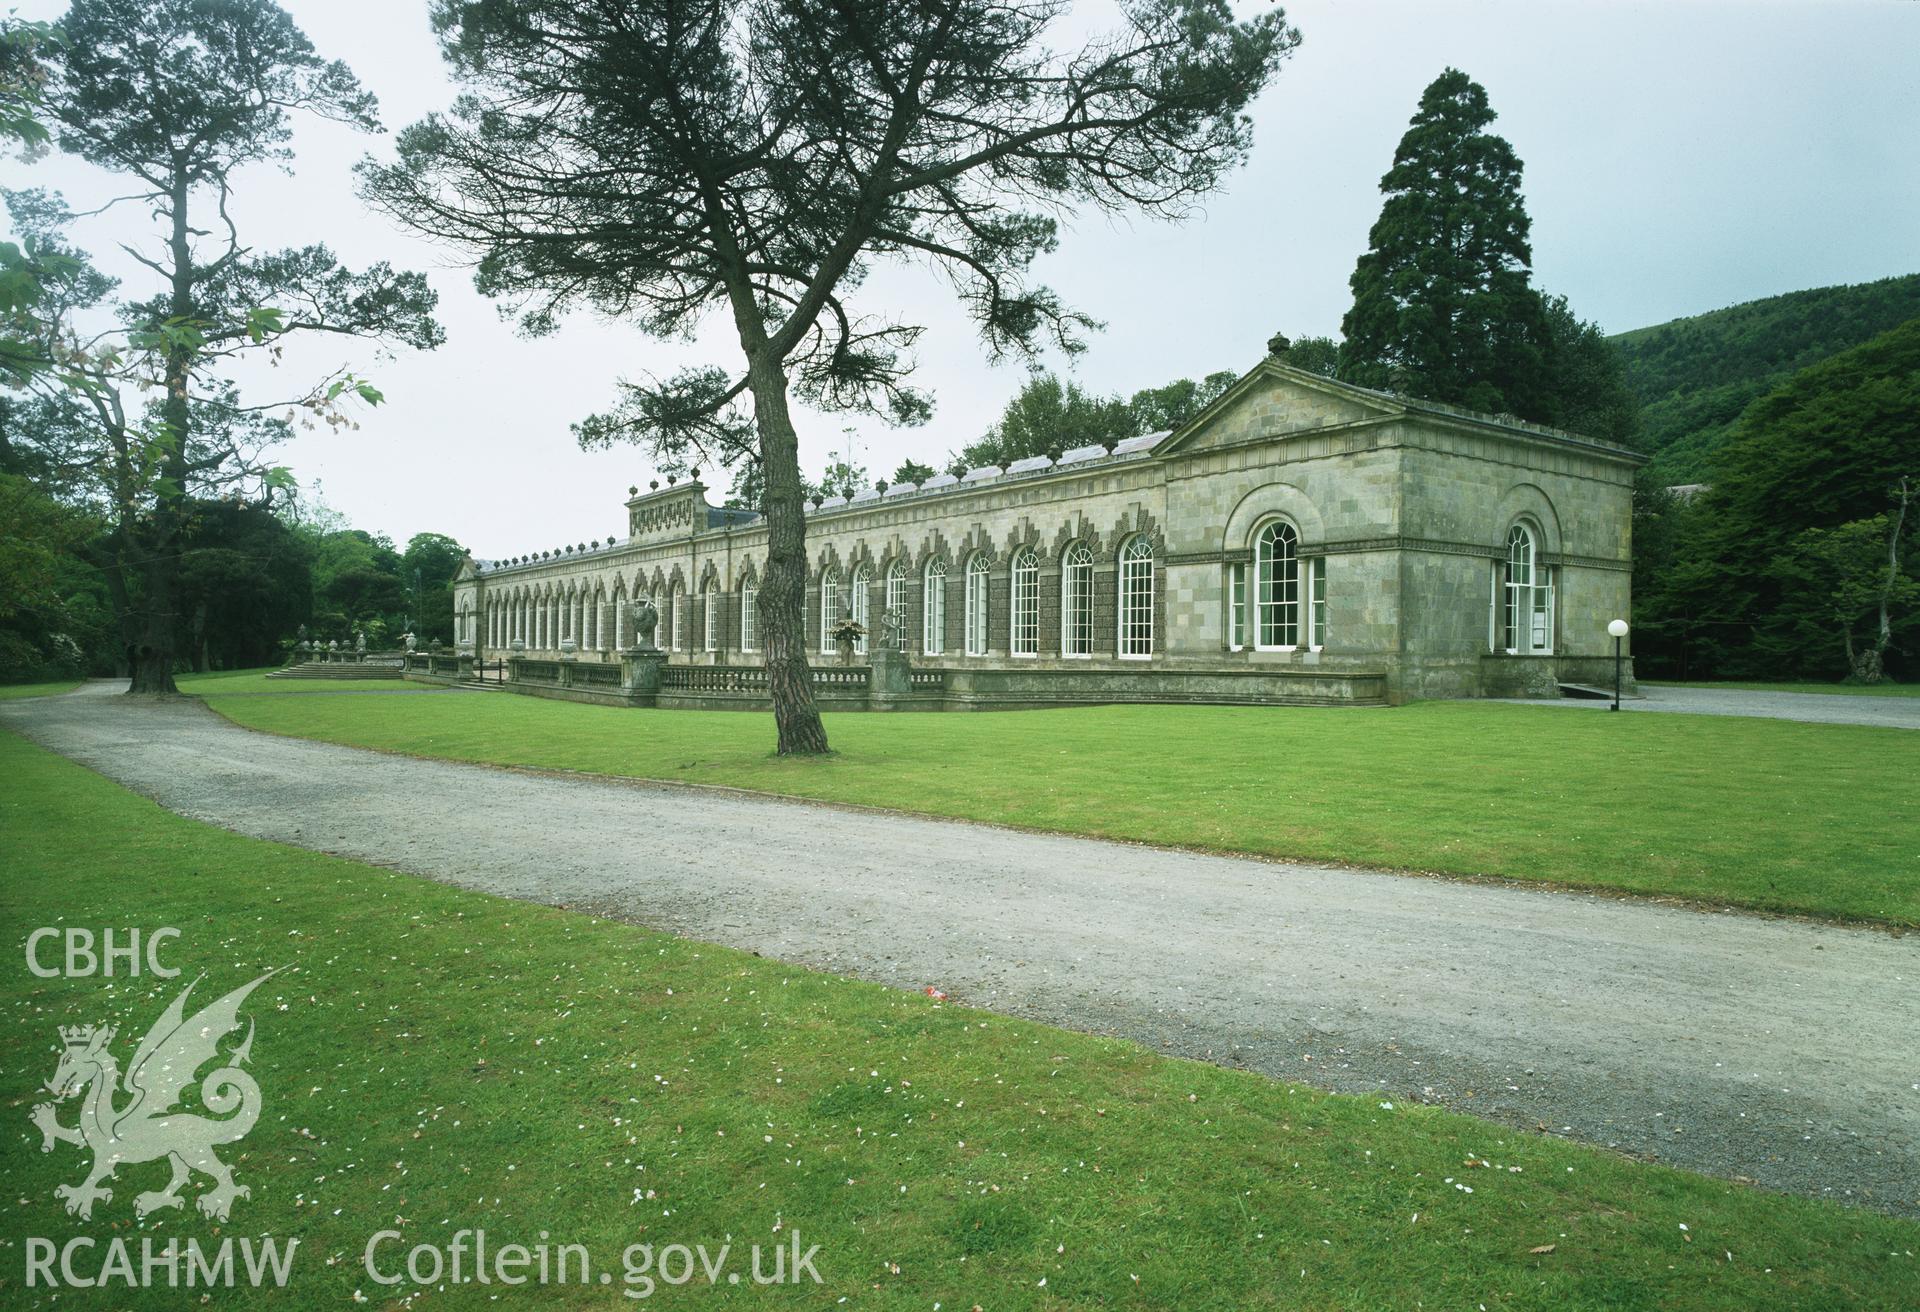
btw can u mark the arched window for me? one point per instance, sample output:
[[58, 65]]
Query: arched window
[[712, 618], [976, 600], [897, 601], [933, 609], [1522, 599], [749, 618], [857, 605], [1276, 569], [1076, 601], [1025, 629], [1136, 599], [676, 627], [829, 607]]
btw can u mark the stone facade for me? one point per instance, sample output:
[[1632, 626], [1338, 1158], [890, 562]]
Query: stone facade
[[1411, 550]]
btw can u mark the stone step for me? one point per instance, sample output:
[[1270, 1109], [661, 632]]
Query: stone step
[[335, 670]]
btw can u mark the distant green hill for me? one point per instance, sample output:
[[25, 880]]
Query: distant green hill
[[1695, 376]]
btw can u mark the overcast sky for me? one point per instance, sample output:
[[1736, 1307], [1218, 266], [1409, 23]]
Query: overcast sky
[[1679, 157]]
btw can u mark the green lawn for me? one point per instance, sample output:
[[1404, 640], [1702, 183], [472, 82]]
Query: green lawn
[[9, 691], [437, 1060], [252, 681], [1812, 818], [1841, 689]]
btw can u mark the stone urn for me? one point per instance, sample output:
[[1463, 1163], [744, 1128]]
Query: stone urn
[[569, 649], [646, 618]]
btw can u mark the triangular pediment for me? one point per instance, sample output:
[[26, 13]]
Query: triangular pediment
[[1275, 400]]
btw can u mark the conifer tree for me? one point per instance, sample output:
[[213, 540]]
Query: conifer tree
[[661, 161], [1443, 306]]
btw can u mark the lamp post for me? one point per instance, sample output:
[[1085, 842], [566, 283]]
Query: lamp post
[[1618, 628]]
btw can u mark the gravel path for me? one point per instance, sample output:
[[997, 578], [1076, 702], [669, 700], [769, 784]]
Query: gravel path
[[1812, 707], [1773, 1050]]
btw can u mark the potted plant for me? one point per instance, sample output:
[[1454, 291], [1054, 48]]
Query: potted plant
[[844, 635]]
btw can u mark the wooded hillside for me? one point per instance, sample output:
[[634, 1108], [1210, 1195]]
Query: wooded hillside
[[1696, 376]]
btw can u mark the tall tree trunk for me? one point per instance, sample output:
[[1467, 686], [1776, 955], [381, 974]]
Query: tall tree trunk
[[782, 596], [114, 569], [153, 656], [1883, 635], [151, 652]]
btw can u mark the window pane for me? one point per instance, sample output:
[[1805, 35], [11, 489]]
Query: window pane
[[1542, 630], [1237, 605], [1136, 599], [1277, 579], [1025, 635], [1076, 601], [976, 600], [933, 610], [857, 606], [897, 600], [749, 619], [1317, 635], [829, 608], [1516, 618]]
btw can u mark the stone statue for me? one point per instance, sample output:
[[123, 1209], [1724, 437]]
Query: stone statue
[[360, 640], [890, 628], [645, 620]]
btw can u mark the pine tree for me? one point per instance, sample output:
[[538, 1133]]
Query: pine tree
[[1442, 303], [659, 162]]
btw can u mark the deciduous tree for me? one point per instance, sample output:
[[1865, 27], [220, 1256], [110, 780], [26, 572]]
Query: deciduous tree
[[1047, 416], [1163, 409], [1810, 480]]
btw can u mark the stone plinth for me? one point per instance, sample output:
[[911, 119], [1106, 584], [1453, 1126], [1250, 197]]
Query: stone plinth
[[889, 676], [640, 671]]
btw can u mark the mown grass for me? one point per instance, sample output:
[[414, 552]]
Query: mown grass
[[10, 691], [1808, 818], [437, 1060], [1841, 689], [255, 681]]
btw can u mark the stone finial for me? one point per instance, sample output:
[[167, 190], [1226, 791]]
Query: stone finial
[[1111, 443], [1278, 345], [672, 479], [633, 491], [653, 485], [880, 486], [1054, 453]]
